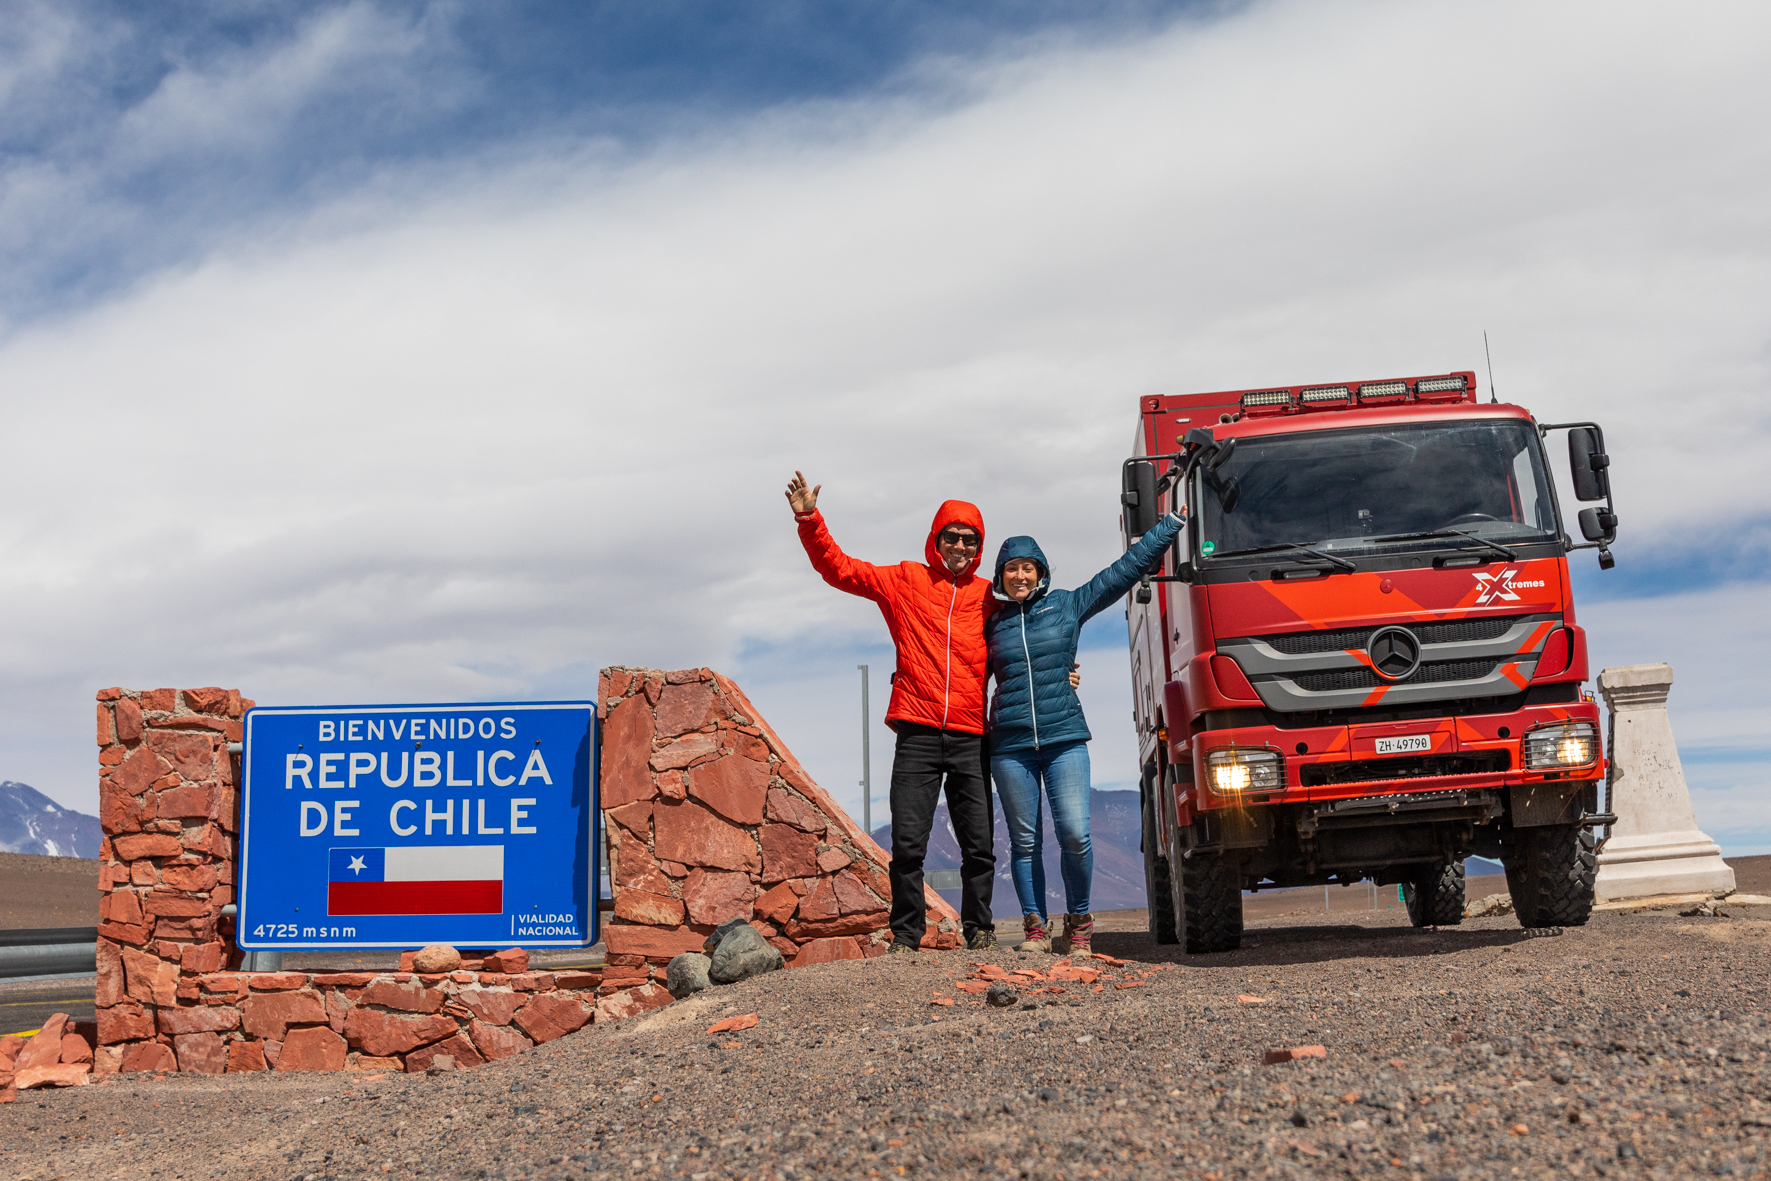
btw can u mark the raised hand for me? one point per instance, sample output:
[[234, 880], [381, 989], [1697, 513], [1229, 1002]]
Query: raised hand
[[803, 499]]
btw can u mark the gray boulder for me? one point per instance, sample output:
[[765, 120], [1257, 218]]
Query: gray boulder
[[712, 942], [687, 974], [743, 953]]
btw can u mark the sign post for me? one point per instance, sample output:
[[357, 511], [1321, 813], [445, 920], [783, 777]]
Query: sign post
[[401, 826]]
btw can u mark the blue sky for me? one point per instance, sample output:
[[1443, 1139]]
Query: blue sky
[[187, 125], [383, 351]]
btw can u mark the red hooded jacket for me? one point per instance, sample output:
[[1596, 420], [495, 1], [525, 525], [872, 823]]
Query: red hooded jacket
[[936, 620]]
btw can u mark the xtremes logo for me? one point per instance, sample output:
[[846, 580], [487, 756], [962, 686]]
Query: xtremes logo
[[1502, 587]]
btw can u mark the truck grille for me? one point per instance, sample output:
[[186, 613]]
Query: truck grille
[[1457, 631], [1420, 767], [1364, 678]]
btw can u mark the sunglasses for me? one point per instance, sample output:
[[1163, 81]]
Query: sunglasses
[[967, 540]]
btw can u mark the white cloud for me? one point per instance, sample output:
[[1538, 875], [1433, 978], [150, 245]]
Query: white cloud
[[249, 97], [475, 432]]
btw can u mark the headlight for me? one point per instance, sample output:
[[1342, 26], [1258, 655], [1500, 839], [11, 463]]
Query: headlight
[[1232, 771], [1558, 747]]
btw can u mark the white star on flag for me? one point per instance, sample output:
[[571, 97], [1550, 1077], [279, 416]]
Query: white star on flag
[[356, 865]]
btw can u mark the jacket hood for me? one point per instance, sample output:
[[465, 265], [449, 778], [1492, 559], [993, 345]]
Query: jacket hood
[[1021, 547], [955, 512]]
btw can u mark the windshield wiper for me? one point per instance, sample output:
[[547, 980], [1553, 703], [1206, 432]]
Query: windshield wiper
[[1296, 547], [1496, 546]]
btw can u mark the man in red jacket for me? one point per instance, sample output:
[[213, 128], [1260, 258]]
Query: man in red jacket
[[935, 610]]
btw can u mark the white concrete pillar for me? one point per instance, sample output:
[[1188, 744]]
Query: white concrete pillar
[[1655, 847]]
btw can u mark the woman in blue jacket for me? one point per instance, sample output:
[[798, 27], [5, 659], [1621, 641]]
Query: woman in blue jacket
[[1037, 732]]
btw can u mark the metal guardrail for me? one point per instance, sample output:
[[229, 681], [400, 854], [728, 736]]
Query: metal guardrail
[[47, 952]]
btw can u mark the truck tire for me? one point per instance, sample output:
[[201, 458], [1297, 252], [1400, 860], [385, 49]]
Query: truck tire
[[1551, 875], [1157, 888], [1435, 896], [1208, 903]]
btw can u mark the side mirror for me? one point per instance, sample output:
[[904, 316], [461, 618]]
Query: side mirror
[[1597, 524], [1587, 462], [1139, 497], [1222, 454]]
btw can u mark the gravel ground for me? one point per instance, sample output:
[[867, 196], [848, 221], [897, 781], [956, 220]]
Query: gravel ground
[[1634, 1046]]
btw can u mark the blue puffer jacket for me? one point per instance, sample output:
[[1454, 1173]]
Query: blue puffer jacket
[[1033, 644]]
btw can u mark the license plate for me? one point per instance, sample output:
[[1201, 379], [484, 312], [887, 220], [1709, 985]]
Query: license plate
[[1406, 745]]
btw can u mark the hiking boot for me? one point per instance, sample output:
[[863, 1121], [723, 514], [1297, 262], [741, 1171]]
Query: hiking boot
[[901, 949], [1034, 935], [1079, 931], [982, 940]]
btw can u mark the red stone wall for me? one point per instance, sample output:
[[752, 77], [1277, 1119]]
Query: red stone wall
[[342, 1020], [710, 817], [167, 804]]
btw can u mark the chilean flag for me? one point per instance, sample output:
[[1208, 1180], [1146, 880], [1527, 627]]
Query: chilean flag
[[431, 879]]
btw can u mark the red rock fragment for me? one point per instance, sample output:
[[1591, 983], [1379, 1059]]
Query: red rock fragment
[[200, 1053], [777, 903], [149, 1056], [712, 897], [734, 1024], [457, 1047], [825, 951], [1293, 1054], [627, 743], [691, 834], [509, 961], [733, 786], [269, 1015], [44, 1048], [381, 1034], [53, 1075], [245, 1056], [496, 1042], [409, 997], [314, 1048], [548, 1017], [682, 708]]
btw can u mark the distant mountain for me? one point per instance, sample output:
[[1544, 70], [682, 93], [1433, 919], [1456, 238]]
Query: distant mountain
[[1114, 829], [31, 822]]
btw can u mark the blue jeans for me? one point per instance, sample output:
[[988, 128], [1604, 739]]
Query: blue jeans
[[1064, 770]]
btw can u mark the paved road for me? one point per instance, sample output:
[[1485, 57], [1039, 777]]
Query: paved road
[[26, 1005]]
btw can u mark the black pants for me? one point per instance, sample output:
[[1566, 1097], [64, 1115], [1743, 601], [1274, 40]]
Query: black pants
[[923, 758]]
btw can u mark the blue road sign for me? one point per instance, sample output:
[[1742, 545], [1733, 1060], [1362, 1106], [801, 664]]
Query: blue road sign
[[404, 825]]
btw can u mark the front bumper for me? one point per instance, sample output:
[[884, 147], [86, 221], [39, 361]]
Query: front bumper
[[1470, 753]]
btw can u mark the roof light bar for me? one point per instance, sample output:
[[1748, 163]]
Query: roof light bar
[[1438, 387], [1266, 398], [1383, 391], [1325, 393]]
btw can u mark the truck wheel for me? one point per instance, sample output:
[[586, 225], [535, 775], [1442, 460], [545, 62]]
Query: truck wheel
[[1435, 897], [1551, 877], [1157, 889], [1208, 903]]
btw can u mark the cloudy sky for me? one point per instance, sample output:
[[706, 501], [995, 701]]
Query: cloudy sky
[[405, 351]]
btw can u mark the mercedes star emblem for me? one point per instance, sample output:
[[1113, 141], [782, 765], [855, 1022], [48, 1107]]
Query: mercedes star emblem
[[1395, 653]]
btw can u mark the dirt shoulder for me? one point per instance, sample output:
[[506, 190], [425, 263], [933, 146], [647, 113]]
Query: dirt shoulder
[[1637, 1041], [37, 891]]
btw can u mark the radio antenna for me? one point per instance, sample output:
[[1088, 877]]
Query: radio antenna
[[1493, 394]]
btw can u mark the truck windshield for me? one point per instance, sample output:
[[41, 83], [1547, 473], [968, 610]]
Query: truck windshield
[[1370, 488]]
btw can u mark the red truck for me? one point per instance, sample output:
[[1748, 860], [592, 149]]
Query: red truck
[[1360, 660]]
